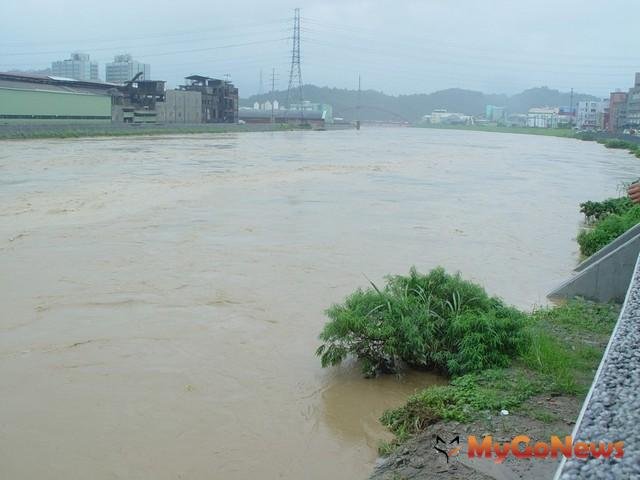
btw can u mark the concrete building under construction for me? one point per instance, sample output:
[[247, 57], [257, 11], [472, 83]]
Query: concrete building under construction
[[137, 101], [219, 98], [180, 106]]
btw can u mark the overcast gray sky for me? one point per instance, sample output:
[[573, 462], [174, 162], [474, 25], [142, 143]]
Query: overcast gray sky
[[496, 46]]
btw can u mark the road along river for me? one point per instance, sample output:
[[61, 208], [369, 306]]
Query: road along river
[[161, 297]]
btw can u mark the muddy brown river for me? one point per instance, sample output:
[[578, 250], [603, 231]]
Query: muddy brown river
[[161, 297]]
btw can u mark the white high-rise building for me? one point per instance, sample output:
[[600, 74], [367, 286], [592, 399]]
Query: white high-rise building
[[124, 68], [78, 67], [590, 114]]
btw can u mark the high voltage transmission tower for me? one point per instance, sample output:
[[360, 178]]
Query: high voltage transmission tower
[[294, 91], [273, 99]]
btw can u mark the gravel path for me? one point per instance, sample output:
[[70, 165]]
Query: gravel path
[[612, 409]]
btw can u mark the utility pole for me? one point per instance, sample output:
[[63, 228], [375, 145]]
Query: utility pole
[[358, 106], [260, 90], [571, 107], [295, 75], [273, 89]]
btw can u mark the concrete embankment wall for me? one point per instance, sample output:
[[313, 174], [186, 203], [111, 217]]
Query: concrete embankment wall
[[87, 130], [49, 130], [611, 411], [605, 275]]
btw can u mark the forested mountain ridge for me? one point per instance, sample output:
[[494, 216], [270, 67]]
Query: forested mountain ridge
[[377, 105]]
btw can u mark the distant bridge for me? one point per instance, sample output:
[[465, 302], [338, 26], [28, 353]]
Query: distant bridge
[[343, 108]]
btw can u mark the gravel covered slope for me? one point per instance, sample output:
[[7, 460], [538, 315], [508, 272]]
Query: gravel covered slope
[[612, 411]]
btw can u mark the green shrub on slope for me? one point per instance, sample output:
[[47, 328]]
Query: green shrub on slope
[[599, 210], [437, 321], [607, 230]]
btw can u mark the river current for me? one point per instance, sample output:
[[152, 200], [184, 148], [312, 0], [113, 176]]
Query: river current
[[162, 296]]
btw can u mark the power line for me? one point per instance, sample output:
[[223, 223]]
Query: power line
[[393, 52], [413, 40], [96, 40], [273, 89], [162, 53]]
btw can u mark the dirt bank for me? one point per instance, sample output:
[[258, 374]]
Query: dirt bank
[[539, 418]]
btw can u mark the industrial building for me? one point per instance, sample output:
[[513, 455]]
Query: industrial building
[[41, 99], [37, 99], [442, 116], [180, 106], [543, 117], [219, 98], [137, 101], [314, 118], [78, 67], [324, 108], [124, 68]]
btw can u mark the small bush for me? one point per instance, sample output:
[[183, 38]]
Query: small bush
[[586, 136], [436, 321], [598, 210], [607, 230]]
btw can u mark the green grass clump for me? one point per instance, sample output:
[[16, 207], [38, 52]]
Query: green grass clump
[[607, 230], [436, 321], [577, 318], [463, 400], [567, 343]]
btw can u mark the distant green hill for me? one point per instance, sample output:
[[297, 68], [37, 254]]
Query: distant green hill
[[379, 106]]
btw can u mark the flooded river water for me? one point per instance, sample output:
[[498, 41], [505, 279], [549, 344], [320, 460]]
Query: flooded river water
[[161, 297]]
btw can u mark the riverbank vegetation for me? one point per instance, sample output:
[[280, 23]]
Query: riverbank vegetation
[[606, 221], [496, 356], [633, 148], [566, 344], [435, 321], [549, 132]]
